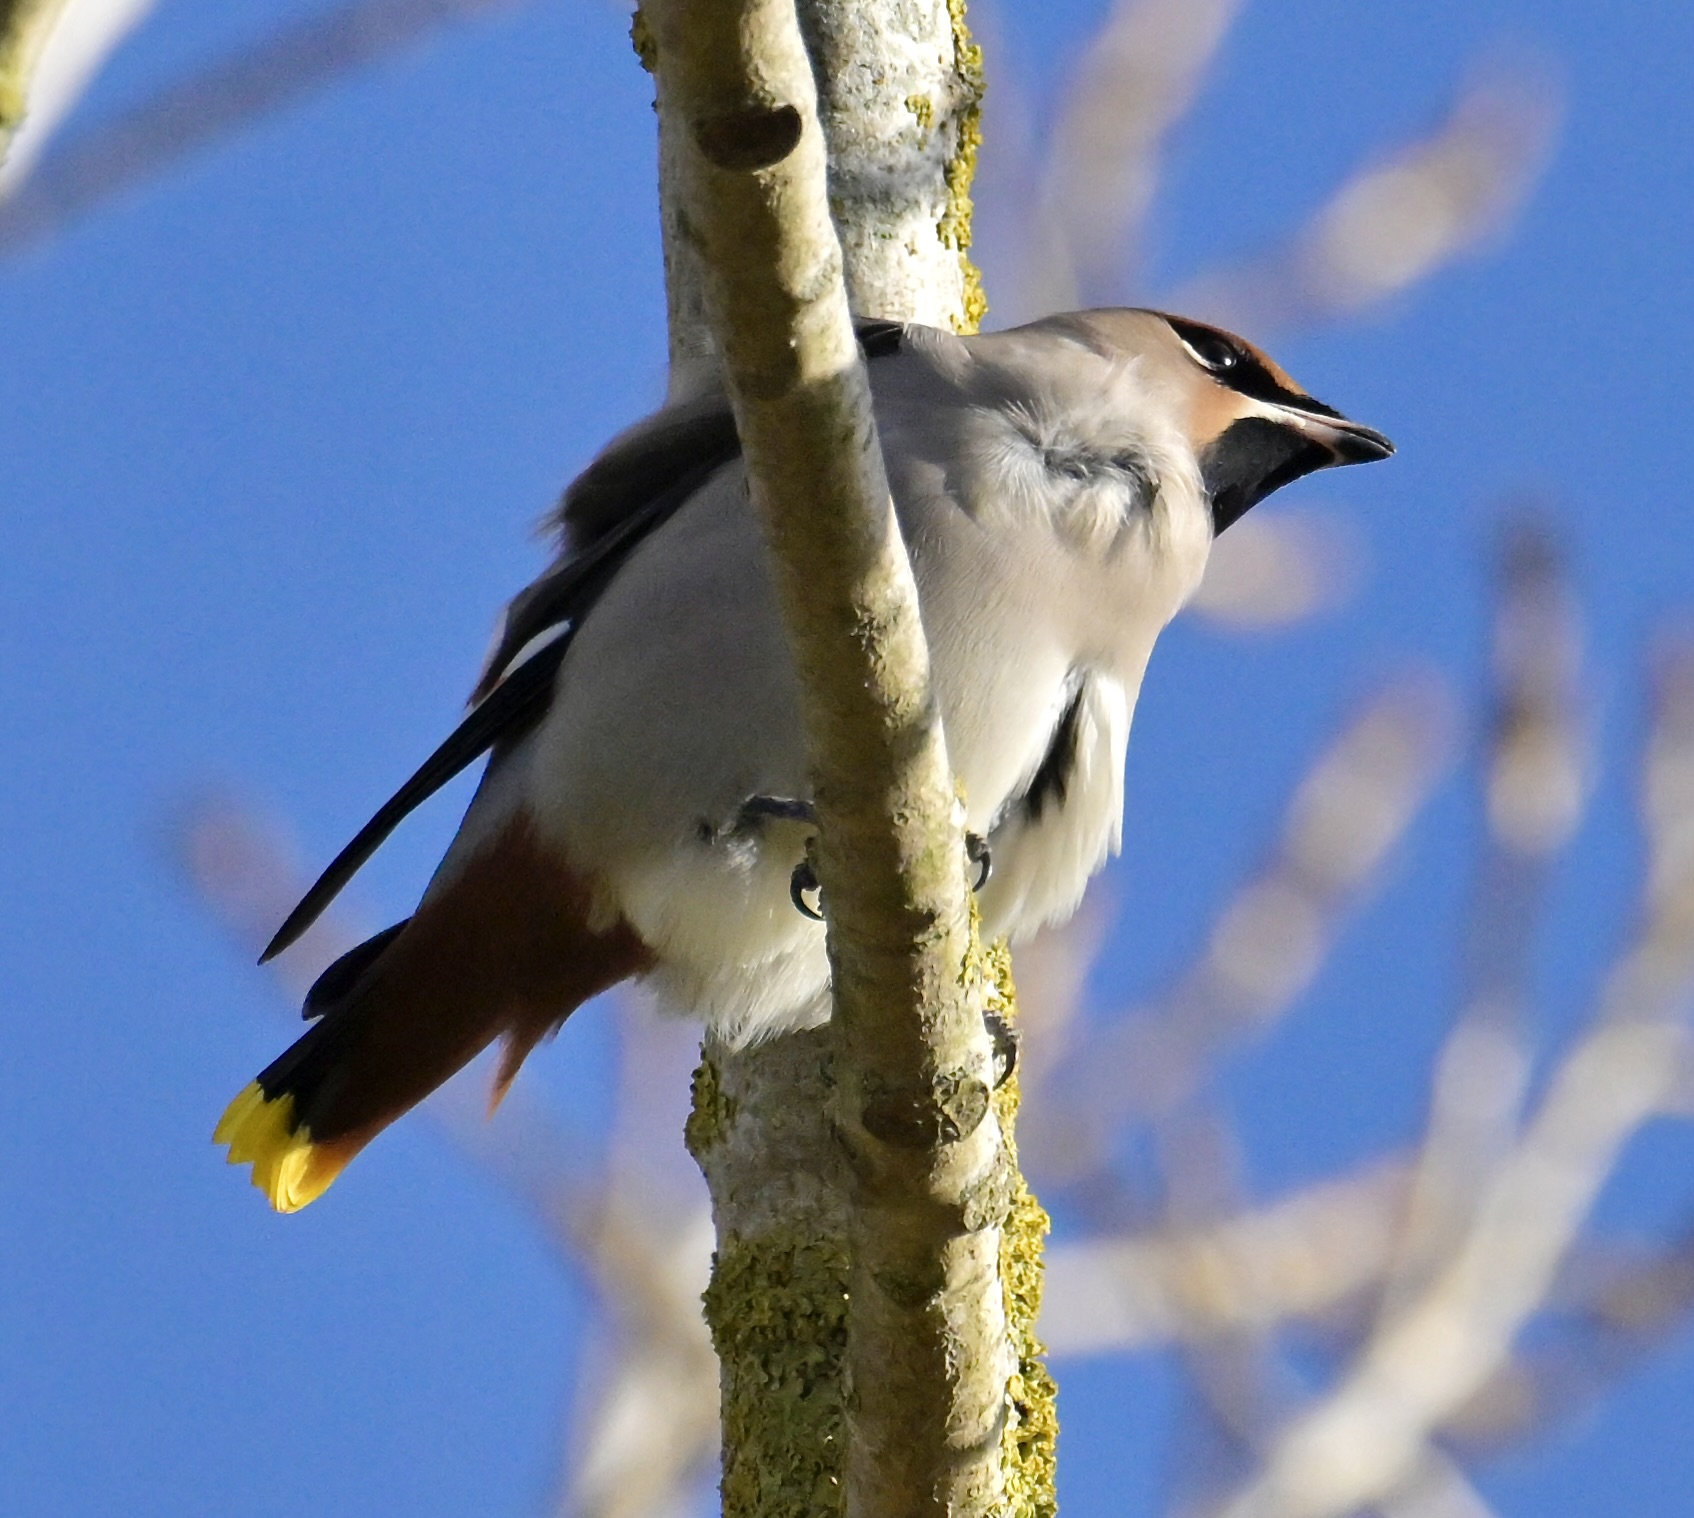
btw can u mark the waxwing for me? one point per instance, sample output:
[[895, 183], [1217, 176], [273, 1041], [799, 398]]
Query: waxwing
[[644, 810]]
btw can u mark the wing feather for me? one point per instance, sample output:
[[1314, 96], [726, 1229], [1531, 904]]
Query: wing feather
[[514, 691], [511, 708], [630, 491]]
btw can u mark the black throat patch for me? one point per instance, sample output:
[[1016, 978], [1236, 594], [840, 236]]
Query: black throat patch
[[1252, 458]]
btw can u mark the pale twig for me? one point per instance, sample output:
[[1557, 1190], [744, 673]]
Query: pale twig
[[1240, 1385], [1347, 814], [926, 1169], [1360, 1445], [1304, 1258], [1397, 222], [87, 33], [244, 868], [1623, 1309], [1244, 1386], [644, 1434], [645, 1431], [1365, 1440], [1138, 76], [1435, 1487], [1241, 1382], [1270, 940], [1535, 788], [213, 105]]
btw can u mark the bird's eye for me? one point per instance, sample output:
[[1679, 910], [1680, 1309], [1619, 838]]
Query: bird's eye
[[1214, 353]]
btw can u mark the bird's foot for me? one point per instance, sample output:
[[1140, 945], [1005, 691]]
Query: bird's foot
[[803, 883]]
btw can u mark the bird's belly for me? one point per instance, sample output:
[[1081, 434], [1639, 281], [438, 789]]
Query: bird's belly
[[732, 947], [669, 716]]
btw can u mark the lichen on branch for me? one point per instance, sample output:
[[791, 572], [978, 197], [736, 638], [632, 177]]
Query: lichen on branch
[[25, 27]]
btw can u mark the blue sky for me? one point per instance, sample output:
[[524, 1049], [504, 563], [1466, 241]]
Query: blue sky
[[274, 430]]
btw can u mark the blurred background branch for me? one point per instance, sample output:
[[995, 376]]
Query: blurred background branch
[[26, 26], [52, 187], [1400, 218], [1133, 84], [50, 50]]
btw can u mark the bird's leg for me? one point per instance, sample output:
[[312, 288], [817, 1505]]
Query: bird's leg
[[1005, 1036], [803, 883]]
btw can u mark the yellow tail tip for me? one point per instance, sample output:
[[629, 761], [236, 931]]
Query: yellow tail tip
[[287, 1166]]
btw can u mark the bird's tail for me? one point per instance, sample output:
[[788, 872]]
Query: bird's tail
[[503, 951]]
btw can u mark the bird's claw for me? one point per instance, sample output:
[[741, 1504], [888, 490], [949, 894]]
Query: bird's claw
[[1006, 1042], [801, 884]]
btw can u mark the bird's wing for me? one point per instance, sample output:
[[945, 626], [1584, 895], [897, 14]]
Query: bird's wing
[[630, 490], [648, 459], [643, 464], [511, 708], [878, 338], [516, 686], [619, 506]]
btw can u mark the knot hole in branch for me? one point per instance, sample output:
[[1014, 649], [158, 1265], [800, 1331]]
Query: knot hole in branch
[[951, 1110], [743, 141]]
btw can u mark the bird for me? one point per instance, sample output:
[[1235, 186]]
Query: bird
[[644, 811]]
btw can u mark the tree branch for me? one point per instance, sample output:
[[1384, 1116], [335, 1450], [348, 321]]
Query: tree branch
[[928, 1357]]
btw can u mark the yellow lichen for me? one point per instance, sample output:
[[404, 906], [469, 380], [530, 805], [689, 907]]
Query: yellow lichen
[[954, 228], [777, 1309], [711, 1110], [1029, 1443]]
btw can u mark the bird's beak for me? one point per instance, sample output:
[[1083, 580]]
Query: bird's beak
[[1347, 442], [1275, 444]]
